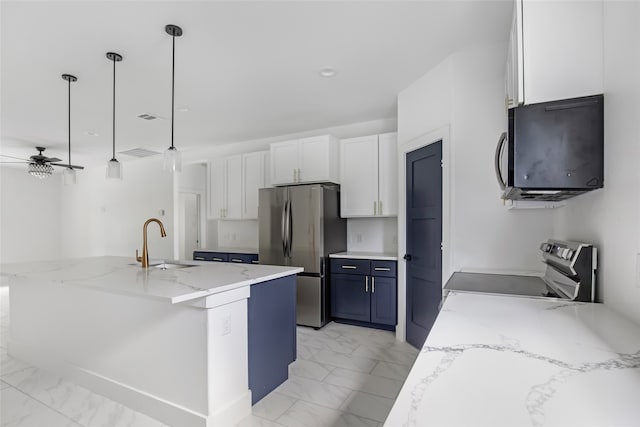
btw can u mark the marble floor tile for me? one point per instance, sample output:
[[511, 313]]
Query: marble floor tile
[[9, 364], [346, 361], [387, 354], [3, 385], [368, 406], [319, 393], [273, 405], [391, 370], [20, 410], [79, 404], [255, 421], [308, 369], [384, 387], [305, 414]]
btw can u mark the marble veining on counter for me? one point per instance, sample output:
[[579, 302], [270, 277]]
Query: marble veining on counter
[[124, 275], [497, 360], [382, 256]]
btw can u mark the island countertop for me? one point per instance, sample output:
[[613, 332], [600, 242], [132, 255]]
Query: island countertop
[[124, 275], [503, 361]]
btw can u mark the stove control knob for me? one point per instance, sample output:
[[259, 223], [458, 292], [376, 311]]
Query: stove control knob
[[545, 247], [564, 253], [569, 254]]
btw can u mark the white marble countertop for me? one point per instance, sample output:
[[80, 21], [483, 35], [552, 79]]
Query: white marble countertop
[[230, 250], [382, 256], [124, 275], [503, 361]]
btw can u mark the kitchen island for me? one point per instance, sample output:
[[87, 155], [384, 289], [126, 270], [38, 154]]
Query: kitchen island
[[170, 342], [509, 361]]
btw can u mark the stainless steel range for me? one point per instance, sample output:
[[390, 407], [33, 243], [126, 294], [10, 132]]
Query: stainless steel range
[[570, 274]]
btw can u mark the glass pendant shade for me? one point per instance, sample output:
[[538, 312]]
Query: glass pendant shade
[[172, 160], [114, 169], [69, 176]]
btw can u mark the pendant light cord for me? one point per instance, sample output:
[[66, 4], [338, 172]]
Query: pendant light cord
[[113, 130], [69, 121], [173, 78]]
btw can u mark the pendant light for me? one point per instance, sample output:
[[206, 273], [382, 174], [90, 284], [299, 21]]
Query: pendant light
[[69, 173], [172, 157], [114, 168]]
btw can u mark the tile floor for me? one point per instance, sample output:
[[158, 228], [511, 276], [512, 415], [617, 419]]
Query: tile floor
[[344, 376]]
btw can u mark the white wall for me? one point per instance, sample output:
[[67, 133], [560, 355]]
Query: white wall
[[29, 216], [104, 217], [610, 218], [372, 235]]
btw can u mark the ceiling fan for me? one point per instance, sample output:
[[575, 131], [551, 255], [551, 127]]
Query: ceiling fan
[[40, 165]]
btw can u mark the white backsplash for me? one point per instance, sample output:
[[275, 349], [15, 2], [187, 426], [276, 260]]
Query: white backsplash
[[372, 234], [238, 234]]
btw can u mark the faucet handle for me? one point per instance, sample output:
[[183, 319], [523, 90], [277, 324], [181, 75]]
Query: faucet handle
[[138, 258]]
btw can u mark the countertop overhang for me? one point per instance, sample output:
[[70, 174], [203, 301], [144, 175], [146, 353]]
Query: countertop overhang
[[124, 275]]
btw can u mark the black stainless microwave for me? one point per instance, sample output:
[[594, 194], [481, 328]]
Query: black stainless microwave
[[552, 150]]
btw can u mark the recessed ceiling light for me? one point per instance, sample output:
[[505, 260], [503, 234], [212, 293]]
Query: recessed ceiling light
[[91, 133], [327, 72], [182, 109]]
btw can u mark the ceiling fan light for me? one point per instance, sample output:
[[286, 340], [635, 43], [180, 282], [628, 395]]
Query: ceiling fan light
[[114, 169], [69, 176], [40, 171], [172, 160]]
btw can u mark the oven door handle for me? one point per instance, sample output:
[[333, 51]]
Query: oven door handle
[[501, 141]]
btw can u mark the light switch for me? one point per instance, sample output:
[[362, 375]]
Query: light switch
[[226, 325]]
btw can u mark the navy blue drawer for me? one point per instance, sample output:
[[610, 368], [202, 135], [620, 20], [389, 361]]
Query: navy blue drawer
[[350, 266], [243, 258], [383, 268], [210, 256]]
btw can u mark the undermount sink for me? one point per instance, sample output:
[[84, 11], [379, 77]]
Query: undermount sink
[[171, 265]]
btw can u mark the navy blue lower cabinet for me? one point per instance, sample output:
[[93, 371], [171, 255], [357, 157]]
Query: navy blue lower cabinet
[[225, 257], [383, 300], [349, 298], [271, 310], [364, 292]]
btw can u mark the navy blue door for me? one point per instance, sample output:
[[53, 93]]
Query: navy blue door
[[424, 238], [383, 300], [350, 297]]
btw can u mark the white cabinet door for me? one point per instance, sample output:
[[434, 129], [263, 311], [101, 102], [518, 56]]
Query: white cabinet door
[[562, 49], [359, 176], [514, 75], [313, 159], [217, 188], [234, 188], [388, 174], [266, 162], [253, 179], [284, 162]]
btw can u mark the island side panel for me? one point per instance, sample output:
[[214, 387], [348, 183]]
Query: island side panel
[[146, 353], [272, 334]]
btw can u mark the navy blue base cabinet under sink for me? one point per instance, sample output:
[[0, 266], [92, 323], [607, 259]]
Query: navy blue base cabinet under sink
[[272, 334], [364, 292]]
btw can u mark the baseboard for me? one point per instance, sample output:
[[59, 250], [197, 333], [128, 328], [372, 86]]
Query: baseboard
[[163, 410]]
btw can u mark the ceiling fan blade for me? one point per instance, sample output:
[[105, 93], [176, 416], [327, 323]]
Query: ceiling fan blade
[[67, 165], [1, 162], [52, 159], [12, 157]]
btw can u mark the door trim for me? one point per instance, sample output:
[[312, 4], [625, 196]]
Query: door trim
[[441, 134]]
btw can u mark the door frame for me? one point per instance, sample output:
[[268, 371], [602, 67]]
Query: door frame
[[440, 134]]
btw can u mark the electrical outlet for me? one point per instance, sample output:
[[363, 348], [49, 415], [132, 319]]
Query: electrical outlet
[[359, 238], [226, 325], [233, 237]]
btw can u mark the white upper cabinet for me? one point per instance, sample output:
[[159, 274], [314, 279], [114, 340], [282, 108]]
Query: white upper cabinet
[[305, 160], [233, 185], [369, 176], [555, 51]]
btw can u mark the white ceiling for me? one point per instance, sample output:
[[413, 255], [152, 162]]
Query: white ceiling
[[245, 70]]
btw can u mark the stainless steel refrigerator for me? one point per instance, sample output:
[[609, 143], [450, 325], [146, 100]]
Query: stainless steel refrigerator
[[300, 226]]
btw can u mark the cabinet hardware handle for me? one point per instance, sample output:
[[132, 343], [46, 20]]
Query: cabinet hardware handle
[[236, 260], [382, 269], [217, 259], [255, 262], [294, 176], [349, 267], [198, 258], [373, 285], [375, 210], [366, 284], [298, 175]]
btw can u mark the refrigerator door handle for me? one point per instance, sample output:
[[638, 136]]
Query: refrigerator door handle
[[289, 228], [283, 225]]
